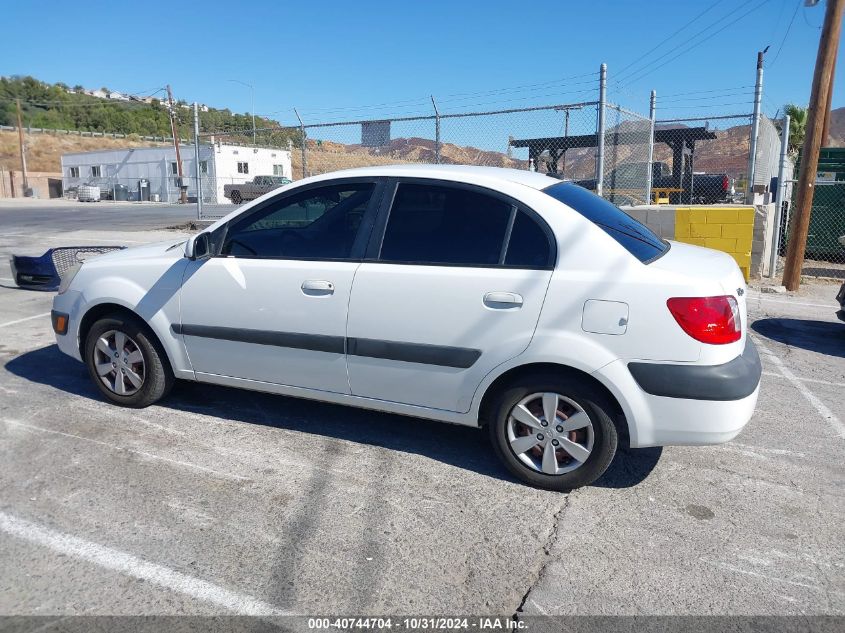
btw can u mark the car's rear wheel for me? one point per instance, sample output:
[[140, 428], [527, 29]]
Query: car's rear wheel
[[125, 361], [236, 197], [554, 432]]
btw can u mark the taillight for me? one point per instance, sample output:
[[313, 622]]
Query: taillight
[[713, 320], [725, 183]]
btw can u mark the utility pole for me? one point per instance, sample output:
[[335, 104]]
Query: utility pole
[[826, 128], [23, 149], [197, 164], [822, 79], [183, 192], [755, 128], [600, 129], [437, 131], [652, 120], [304, 145]]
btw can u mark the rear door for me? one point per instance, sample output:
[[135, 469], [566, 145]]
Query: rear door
[[272, 306], [452, 287]]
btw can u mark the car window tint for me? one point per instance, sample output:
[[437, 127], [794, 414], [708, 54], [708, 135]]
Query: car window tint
[[320, 223], [633, 236], [528, 245], [445, 225]]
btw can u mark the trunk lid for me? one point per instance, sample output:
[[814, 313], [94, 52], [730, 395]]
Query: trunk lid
[[706, 272]]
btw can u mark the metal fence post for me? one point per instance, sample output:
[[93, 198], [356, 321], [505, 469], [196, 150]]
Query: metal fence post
[[755, 129], [600, 130], [304, 145], [652, 115], [197, 170], [780, 196], [436, 131]]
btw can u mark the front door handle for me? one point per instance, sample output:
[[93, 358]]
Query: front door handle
[[317, 287], [503, 300]]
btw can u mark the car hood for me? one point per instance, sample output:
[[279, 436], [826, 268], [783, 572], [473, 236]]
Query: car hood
[[171, 248]]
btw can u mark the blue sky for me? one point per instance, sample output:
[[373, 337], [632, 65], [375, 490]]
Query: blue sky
[[343, 60]]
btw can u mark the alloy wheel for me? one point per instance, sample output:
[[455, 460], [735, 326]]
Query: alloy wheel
[[550, 433], [119, 363]]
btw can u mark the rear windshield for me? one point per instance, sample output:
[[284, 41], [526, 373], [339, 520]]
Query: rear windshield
[[635, 237]]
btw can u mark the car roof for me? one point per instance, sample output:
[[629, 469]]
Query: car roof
[[463, 173]]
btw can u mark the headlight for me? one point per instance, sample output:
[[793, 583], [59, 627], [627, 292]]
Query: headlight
[[68, 277]]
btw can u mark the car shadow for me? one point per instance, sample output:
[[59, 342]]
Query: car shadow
[[455, 445], [824, 337]]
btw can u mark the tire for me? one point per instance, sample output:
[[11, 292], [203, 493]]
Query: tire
[[576, 396], [236, 197], [146, 357]]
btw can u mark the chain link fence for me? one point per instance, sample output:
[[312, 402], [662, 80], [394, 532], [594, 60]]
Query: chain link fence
[[825, 252], [702, 160]]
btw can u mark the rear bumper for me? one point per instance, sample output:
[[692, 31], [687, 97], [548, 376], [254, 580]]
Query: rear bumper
[[693, 415], [733, 380]]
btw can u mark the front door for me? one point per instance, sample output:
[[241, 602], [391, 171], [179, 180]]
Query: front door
[[456, 290], [272, 306]]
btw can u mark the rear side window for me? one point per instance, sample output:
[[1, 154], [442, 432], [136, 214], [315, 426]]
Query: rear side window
[[633, 236], [431, 224], [529, 245]]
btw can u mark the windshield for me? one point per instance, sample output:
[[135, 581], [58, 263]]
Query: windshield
[[633, 236]]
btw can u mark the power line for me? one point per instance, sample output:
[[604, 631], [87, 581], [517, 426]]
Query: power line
[[697, 92], [710, 8], [785, 35], [643, 72]]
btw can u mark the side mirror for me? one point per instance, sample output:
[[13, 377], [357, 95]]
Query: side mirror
[[198, 246]]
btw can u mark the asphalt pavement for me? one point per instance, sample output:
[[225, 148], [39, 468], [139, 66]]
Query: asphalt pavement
[[219, 501]]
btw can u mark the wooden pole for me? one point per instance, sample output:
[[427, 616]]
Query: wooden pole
[[800, 223], [22, 148], [826, 127], [175, 132]]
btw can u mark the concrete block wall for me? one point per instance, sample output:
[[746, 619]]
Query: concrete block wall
[[727, 229], [734, 229]]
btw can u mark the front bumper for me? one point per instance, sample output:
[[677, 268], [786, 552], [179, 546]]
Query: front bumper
[[68, 304], [693, 415]]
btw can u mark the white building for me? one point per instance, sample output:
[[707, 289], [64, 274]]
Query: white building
[[220, 164]]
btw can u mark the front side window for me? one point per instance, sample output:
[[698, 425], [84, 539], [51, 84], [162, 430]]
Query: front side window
[[633, 236], [319, 223], [430, 224]]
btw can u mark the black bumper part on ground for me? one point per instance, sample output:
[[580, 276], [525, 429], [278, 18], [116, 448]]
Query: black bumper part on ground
[[840, 297], [734, 380], [45, 272]]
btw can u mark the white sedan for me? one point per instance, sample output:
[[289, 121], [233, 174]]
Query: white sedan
[[477, 296]]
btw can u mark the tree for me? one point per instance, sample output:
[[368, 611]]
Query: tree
[[797, 126]]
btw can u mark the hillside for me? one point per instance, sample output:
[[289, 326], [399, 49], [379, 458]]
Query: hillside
[[727, 153]]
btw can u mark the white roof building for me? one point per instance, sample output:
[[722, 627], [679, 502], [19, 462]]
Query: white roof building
[[220, 164]]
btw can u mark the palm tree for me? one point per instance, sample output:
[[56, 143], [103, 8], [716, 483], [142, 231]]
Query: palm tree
[[797, 126]]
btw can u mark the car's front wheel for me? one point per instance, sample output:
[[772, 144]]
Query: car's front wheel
[[125, 362], [554, 432]]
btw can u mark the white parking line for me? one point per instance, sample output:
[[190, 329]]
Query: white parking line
[[127, 450], [818, 405], [124, 563], [7, 279], [794, 303], [30, 318], [813, 380]]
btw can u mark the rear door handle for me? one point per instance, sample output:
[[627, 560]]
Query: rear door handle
[[503, 300], [317, 287]]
